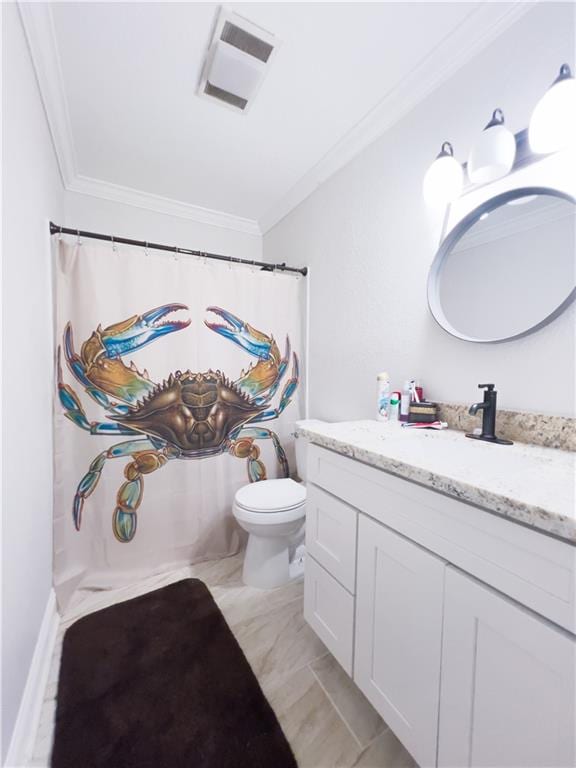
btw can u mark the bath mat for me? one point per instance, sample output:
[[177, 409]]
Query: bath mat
[[160, 681]]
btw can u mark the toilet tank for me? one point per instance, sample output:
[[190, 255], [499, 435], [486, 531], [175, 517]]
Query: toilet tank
[[301, 448]]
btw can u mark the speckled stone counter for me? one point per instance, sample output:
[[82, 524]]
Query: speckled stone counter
[[524, 483]]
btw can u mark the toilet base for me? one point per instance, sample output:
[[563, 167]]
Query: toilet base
[[267, 562], [296, 567]]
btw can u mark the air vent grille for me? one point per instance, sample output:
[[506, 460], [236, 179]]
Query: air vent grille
[[246, 42], [237, 61], [226, 96]]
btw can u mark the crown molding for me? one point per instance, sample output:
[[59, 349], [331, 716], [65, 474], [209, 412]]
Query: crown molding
[[450, 55], [455, 50], [38, 26], [39, 30], [128, 196]]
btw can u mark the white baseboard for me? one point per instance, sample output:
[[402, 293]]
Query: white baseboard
[[24, 734]]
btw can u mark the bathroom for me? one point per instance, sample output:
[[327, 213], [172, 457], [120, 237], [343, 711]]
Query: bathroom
[[289, 385]]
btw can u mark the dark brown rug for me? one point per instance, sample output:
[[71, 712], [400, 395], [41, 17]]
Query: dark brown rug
[[161, 682]]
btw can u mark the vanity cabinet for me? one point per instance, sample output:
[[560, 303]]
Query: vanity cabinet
[[457, 625], [399, 634], [507, 684]]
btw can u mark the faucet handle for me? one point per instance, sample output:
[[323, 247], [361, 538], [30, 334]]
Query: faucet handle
[[489, 387]]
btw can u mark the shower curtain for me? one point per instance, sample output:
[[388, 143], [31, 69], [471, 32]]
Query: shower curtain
[[178, 381]]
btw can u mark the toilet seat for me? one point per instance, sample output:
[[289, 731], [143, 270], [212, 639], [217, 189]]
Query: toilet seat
[[271, 496]]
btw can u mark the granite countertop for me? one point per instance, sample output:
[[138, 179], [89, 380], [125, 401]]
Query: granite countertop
[[524, 483]]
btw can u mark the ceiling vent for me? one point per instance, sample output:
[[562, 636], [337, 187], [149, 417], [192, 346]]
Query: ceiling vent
[[237, 61]]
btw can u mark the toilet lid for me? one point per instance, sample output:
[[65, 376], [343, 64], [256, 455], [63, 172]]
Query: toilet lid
[[271, 495]]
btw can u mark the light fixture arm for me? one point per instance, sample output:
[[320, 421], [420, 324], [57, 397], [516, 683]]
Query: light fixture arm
[[447, 150], [565, 74], [496, 119]]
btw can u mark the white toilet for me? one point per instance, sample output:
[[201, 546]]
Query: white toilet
[[272, 512]]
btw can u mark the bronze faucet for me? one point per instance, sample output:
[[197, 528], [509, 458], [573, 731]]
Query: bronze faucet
[[488, 408]]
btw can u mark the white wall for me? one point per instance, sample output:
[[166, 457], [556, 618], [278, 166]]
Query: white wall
[[32, 193], [111, 218], [369, 241]]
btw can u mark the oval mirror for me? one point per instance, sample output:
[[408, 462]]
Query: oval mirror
[[508, 268]]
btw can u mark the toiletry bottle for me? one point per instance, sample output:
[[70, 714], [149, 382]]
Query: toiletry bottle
[[406, 399], [394, 407], [383, 396]]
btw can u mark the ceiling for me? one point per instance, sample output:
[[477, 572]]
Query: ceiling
[[119, 82]]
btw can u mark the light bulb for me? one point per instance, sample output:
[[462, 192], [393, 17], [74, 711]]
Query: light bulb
[[443, 180], [492, 157], [553, 122]]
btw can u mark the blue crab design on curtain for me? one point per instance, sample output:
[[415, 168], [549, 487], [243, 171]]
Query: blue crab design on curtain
[[187, 416]]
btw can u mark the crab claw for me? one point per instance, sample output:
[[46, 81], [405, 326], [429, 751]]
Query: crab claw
[[139, 330], [253, 341], [99, 366]]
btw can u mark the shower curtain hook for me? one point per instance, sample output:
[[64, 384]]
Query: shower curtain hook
[[146, 248], [60, 234], [78, 241], [113, 243]]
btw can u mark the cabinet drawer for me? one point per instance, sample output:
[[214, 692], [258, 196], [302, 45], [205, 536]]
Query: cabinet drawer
[[331, 535], [534, 569], [329, 609]]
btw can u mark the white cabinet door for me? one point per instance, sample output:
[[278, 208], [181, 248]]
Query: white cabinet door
[[331, 535], [329, 609], [507, 690], [399, 635]]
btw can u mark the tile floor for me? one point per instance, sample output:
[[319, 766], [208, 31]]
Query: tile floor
[[326, 719]]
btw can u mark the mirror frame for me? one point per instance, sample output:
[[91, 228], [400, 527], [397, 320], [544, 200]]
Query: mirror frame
[[452, 238]]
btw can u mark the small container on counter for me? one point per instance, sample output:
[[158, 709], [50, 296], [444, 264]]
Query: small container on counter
[[394, 407], [406, 399], [423, 413], [383, 396]]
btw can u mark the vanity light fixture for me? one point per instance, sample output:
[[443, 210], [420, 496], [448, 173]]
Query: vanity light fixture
[[443, 180], [553, 122], [493, 155]]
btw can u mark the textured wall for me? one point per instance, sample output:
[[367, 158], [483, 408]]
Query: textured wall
[[32, 193], [369, 241]]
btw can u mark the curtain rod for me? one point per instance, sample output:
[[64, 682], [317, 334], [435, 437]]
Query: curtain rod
[[56, 230]]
